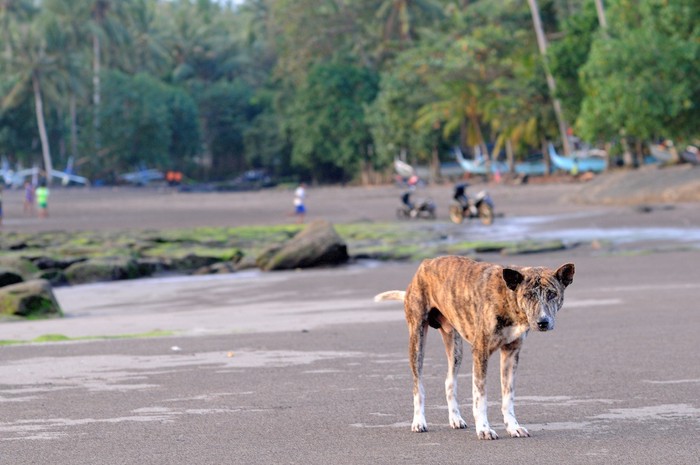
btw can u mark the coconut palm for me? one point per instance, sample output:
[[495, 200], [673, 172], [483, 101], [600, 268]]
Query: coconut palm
[[34, 73], [399, 17]]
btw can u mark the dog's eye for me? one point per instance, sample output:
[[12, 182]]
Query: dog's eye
[[551, 295]]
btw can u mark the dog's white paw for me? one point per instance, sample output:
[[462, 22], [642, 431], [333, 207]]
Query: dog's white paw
[[456, 422], [518, 432], [487, 434], [419, 425]]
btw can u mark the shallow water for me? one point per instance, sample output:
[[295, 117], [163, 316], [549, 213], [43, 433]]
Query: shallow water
[[544, 228]]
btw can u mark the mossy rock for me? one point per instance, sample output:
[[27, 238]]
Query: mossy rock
[[106, 269], [9, 277], [317, 245], [533, 247], [216, 268], [19, 265], [30, 299], [55, 276], [192, 262], [49, 263]]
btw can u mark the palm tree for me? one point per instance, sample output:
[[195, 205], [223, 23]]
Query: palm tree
[[101, 23], [398, 16], [68, 39], [542, 44], [13, 10], [35, 73]]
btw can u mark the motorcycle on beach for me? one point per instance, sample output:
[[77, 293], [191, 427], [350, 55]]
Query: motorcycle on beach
[[480, 206], [424, 208]]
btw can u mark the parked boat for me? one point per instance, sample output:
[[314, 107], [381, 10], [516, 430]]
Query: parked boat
[[661, 153], [691, 155], [586, 161], [15, 178], [478, 166]]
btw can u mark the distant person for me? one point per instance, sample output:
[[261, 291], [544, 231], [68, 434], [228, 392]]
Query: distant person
[[29, 198], [299, 202], [42, 199], [575, 169]]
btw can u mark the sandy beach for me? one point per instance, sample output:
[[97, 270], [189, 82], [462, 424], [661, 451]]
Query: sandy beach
[[302, 367]]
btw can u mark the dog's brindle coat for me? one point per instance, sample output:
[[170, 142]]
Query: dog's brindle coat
[[490, 306]]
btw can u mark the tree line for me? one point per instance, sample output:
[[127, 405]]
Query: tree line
[[334, 90]]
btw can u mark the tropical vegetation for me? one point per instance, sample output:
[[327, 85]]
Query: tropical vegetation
[[333, 90]]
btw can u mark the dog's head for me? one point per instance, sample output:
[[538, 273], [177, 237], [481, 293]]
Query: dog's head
[[539, 292]]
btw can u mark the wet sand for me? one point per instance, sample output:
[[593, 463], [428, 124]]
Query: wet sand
[[197, 305], [124, 208], [302, 366]]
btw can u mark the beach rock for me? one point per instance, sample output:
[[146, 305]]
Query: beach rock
[[19, 265], [192, 261], [48, 263], [529, 247], [55, 276], [105, 269], [151, 265], [33, 299], [316, 245], [216, 268], [248, 262], [9, 277]]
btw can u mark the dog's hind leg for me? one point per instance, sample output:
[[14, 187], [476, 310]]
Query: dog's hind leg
[[453, 349], [509, 363], [418, 331]]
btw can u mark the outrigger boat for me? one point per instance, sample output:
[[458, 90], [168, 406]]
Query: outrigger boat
[[478, 166], [588, 161]]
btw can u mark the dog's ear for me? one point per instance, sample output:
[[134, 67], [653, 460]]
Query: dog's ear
[[512, 278], [565, 274]]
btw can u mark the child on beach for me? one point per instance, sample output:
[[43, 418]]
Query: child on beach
[[28, 197], [42, 199], [299, 198]]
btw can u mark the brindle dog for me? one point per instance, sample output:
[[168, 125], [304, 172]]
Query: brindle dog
[[490, 306]]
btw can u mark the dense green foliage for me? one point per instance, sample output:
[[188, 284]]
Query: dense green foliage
[[325, 90]]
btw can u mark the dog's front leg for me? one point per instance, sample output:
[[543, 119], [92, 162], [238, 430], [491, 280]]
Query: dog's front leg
[[481, 421], [510, 355]]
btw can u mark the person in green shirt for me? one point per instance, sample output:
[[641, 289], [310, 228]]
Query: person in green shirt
[[42, 199]]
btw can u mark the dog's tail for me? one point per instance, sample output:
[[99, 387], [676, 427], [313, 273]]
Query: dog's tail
[[390, 295]]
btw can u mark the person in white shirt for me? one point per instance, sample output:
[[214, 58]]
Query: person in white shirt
[[299, 199]]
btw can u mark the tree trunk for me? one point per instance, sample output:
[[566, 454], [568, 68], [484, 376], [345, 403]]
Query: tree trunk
[[435, 165], [545, 155], [73, 127], [510, 156], [96, 93], [39, 107], [542, 43], [626, 153], [601, 16]]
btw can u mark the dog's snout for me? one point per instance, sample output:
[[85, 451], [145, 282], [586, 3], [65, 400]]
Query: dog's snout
[[543, 325]]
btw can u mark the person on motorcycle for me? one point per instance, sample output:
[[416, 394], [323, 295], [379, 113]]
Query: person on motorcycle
[[460, 194], [406, 200]]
